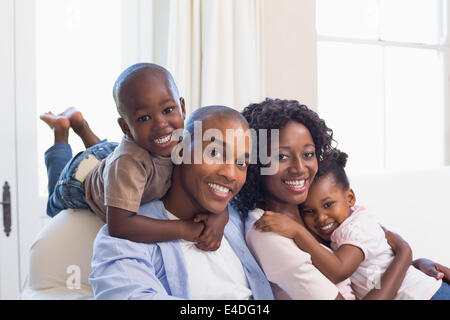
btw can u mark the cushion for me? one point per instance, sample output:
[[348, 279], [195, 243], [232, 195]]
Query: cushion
[[60, 257]]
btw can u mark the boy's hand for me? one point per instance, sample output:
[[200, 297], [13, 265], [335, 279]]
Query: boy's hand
[[212, 235], [191, 230], [278, 223], [432, 269]]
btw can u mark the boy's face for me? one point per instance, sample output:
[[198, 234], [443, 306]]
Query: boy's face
[[151, 113], [213, 183], [327, 206]]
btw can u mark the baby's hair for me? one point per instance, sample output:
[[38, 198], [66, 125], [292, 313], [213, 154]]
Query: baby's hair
[[334, 163], [133, 72]]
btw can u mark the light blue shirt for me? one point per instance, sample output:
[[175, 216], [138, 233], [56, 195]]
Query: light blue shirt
[[123, 269]]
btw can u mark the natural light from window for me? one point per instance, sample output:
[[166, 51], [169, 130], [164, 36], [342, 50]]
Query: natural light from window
[[381, 82], [78, 59]]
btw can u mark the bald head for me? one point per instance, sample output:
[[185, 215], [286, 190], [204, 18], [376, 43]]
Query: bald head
[[136, 73], [221, 113]]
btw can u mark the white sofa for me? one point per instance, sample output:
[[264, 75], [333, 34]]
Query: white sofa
[[413, 204], [60, 257]]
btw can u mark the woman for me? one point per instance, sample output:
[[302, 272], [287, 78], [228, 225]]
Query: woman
[[304, 141]]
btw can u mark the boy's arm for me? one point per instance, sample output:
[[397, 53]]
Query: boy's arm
[[131, 226], [212, 235], [336, 266]]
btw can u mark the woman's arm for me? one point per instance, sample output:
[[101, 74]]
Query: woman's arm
[[336, 266], [394, 275], [432, 269]]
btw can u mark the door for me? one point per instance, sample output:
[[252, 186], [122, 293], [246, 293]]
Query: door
[[9, 251]]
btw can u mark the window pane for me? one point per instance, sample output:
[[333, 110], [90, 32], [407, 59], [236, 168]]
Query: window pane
[[78, 59], [350, 100], [414, 109], [410, 20], [348, 18]]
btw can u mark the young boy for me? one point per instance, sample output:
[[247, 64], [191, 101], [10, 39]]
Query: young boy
[[113, 180]]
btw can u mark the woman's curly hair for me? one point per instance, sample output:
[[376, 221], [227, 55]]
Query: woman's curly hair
[[275, 114]]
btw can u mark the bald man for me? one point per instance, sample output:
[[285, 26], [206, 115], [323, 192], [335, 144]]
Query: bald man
[[178, 269]]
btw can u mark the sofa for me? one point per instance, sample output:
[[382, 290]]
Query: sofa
[[412, 203]]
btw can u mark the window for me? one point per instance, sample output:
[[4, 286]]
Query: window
[[78, 58], [381, 81]]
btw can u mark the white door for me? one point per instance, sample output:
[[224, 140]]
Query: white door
[[55, 54], [9, 251]]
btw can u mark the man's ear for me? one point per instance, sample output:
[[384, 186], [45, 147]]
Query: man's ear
[[351, 198], [124, 126], [183, 110]]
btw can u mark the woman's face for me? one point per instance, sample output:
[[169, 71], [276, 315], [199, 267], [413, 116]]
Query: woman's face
[[296, 168]]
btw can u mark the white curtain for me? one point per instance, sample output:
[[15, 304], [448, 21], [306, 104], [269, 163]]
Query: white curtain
[[214, 51]]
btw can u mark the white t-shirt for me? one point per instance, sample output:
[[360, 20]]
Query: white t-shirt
[[214, 275], [363, 231], [288, 268]]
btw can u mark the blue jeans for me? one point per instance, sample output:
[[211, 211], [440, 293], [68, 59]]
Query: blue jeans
[[64, 191], [443, 293]]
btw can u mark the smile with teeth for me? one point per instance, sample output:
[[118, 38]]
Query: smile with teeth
[[295, 184], [327, 227], [219, 190], [163, 140]]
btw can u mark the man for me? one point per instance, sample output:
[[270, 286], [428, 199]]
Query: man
[[124, 269]]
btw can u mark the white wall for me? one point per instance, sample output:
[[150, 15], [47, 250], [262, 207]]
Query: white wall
[[289, 54]]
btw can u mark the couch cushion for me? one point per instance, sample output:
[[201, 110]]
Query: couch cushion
[[60, 257]]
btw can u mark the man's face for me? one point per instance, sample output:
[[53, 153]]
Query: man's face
[[223, 169]]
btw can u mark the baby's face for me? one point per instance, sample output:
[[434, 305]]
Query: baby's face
[[152, 114], [327, 206]]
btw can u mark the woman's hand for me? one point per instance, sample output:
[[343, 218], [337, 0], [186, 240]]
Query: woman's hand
[[432, 269], [397, 243], [278, 223]]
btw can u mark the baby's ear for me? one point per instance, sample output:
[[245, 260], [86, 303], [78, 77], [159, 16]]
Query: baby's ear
[[124, 126], [351, 198]]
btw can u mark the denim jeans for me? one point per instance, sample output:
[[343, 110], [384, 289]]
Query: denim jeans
[[443, 293], [64, 190]]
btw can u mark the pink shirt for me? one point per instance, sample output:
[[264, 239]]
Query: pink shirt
[[363, 231], [288, 268]]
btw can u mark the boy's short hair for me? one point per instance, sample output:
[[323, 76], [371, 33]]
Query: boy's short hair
[[133, 72]]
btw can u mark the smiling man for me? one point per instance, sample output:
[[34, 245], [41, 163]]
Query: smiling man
[[178, 269]]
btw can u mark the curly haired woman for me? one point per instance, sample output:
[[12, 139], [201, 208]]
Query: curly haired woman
[[304, 141]]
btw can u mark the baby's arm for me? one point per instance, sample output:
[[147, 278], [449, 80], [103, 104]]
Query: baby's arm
[[128, 225], [336, 266]]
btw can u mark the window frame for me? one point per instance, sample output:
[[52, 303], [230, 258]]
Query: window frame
[[442, 48]]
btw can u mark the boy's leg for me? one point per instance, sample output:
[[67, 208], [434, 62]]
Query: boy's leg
[[80, 126], [57, 156]]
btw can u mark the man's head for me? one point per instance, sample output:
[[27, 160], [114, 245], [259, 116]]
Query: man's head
[[149, 106], [209, 184]]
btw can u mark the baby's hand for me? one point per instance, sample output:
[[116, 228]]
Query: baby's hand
[[191, 230], [278, 223], [212, 235]]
